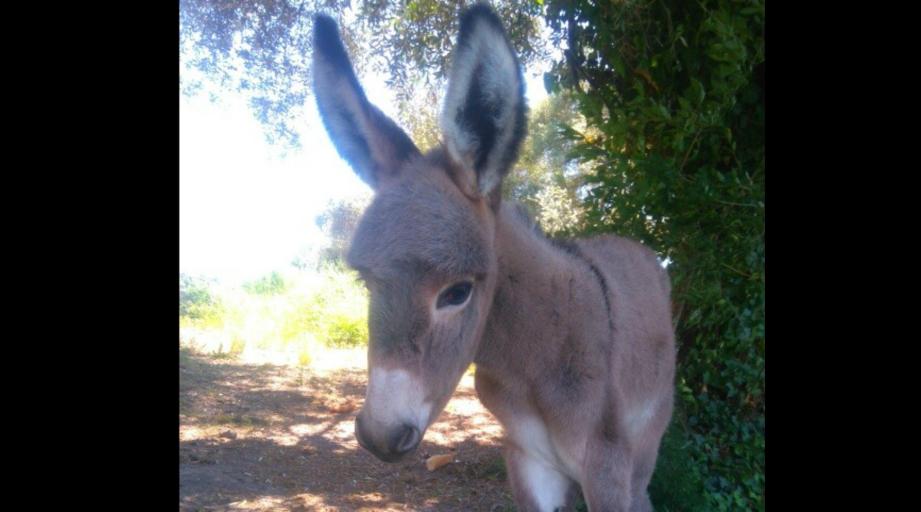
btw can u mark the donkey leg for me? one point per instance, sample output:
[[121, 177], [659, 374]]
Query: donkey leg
[[607, 482], [536, 486], [642, 474], [641, 502]]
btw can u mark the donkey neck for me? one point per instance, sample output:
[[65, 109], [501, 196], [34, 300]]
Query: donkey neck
[[532, 313]]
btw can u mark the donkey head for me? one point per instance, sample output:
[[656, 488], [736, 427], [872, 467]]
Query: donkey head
[[425, 247]]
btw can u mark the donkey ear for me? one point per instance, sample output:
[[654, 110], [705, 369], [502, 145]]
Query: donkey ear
[[367, 139], [483, 121]]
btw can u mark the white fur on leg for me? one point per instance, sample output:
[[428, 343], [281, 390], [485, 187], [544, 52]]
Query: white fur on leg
[[546, 471], [546, 486]]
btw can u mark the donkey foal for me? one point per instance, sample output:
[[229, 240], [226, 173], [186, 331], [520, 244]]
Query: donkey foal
[[573, 341]]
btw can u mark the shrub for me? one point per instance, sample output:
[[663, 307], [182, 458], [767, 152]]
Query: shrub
[[197, 304], [294, 314], [272, 284], [673, 92], [347, 331]]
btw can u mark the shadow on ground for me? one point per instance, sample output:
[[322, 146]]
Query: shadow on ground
[[269, 438]]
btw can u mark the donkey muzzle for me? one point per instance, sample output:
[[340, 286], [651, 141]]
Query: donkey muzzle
[[390, 445]]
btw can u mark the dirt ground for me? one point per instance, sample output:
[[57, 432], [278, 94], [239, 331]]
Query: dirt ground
[[266, 437]]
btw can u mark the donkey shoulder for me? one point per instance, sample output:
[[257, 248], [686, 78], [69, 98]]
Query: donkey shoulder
[[626, 261]]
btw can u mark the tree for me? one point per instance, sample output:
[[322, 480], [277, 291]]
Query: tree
[[546, 178], [272, 284], [198, 305], [262, 49], [675, 93], [194, 296], [338, 221], [254, 47]]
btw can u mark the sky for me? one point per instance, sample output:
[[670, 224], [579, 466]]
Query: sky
[[244, 210]]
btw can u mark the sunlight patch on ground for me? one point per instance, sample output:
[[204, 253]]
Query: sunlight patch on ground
[[372, 497], [190, 433], [305, 429], [283, 439], [312, 501], [321, 360], [257, 356], [447, 435], [344, 432], [465, 419], [261, 503], [336, 359], [464, 405]]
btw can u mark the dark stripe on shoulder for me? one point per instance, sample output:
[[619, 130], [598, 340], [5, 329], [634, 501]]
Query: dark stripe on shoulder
[[570, 247]]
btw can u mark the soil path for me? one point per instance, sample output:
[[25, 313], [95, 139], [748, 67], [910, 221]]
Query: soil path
[[262, 437]]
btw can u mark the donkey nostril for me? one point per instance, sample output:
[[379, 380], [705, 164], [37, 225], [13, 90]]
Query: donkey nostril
[[405, 440]]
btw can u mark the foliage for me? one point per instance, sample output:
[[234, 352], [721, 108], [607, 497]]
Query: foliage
[[416, 38], [320, 308], [192, 292], [272, 284], [262, 49], [338, 222], [196, 302], [674, 91], [546, 179], [419, 117], [255, 47], [333, 310], [346, 331], [678, 482]]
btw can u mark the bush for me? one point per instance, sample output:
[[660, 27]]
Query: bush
[[347, 331], [344, 305], [673, 92], [197, 304], [292, 314], [678, 483], [272, 284]]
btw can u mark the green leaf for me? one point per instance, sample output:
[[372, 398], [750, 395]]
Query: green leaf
[[696, 92]]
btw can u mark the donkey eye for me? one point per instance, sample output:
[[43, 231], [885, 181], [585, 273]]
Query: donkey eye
[[455, 295]]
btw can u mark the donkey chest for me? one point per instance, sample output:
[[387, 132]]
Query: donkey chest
[[533, 436], [561, 449]]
